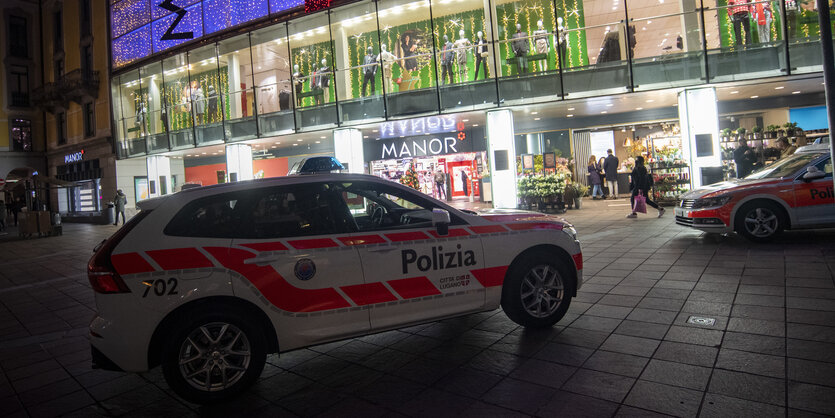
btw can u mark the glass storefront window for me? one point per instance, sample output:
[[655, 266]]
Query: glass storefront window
[[464, 47], [312, 59], [177, 97], [147, 105], [360, 81], [206, 82], [276, 91], [235, 88], [131, 102], [803, 33], [406, 31]]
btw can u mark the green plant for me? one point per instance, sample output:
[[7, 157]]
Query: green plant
[[726, 132], [772, 128], [741, 131], [580, 189], [757, 129]]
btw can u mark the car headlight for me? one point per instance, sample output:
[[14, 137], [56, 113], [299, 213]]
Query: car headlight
[[571, 231], [712, 202]]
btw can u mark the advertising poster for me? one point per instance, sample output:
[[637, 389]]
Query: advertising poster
[[140, 187]]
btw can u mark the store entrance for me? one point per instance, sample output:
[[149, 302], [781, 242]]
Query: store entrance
[[460, 173]]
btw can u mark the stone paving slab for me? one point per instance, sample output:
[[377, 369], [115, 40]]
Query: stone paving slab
[[624, 349]]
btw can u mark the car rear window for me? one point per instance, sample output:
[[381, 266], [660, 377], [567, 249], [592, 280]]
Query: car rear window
[[211, 217]]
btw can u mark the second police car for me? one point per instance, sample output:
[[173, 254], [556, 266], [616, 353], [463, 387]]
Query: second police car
[[793, 193], [208, 281]]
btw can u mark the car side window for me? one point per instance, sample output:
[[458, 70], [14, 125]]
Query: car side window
[[210, 217], [298, 210], [375, 206], [825, 166]]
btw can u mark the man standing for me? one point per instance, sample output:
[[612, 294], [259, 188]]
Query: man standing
[[439, 184], [610, 168], [744, 160], [120, 200]]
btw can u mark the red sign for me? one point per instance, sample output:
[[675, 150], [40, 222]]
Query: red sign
[[314, 5]]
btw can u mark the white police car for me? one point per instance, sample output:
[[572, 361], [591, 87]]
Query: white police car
[[207, 281]]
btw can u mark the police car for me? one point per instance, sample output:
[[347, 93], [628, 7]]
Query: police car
[[206, 282], [793, 193]]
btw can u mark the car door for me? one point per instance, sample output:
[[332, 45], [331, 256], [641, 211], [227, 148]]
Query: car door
[[814, 199], [412, 273], [289, 257]]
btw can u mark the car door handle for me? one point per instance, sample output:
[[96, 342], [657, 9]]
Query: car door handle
[[384, 249]]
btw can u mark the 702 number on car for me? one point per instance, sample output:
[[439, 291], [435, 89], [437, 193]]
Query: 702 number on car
[[161, 287]]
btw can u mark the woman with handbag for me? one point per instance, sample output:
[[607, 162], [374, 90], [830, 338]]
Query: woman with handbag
[[640, 184], [595, 178]]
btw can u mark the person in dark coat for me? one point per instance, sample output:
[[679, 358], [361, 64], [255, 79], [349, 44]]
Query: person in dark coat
[[641, 182], [595, 179], [610, 168], [120, 200], [744, 159], [465, 179]]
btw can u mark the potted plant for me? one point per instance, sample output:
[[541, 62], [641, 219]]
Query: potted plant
[[725, 134], [580, 190], [790, 128], [771, 131], [758, 132], [741, 133]]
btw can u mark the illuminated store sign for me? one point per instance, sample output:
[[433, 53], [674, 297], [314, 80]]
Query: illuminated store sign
[[74, 157], [144, 27], [420, 126], [422, 146]]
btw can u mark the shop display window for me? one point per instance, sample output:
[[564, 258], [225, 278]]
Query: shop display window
[[235, 100], [147, 106], [311, 54], [177, 99], [527, 33], [133, 125], [363, 72], [276, 91], [803, 33]]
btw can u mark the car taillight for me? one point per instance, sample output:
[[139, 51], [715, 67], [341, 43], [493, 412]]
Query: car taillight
[[100, 271]]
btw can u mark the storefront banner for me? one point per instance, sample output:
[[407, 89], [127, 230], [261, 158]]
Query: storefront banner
[[420, 126], [422, 146]]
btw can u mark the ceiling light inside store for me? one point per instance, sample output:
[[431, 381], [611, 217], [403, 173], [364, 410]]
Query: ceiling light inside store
[[534, 113], [604, 112], [295, 145], [569, 116], [779, 88], [465, 120], [273, 147], [609, 105], [796, 92], [475, 124], [570, 108], [204, 153], [375, 130], [322, 137], [650, 100], [365, 136], [639, 108], [299, 140], [734, 92], [754, 97], [536, 118]]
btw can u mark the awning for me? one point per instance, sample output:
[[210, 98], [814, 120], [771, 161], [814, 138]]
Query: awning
[[54, 181]]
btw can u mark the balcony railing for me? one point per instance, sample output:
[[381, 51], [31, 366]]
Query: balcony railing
[[75, 86]]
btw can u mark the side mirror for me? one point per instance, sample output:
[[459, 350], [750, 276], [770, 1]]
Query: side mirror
[[813, 173], [440, 219]]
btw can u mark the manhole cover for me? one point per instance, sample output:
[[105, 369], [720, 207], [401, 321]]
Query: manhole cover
[[701, 320]]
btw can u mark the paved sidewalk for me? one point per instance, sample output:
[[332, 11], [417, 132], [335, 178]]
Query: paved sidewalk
[[626, 347]]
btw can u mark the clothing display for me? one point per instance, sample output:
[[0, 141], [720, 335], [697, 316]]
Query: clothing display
[[462, 48], [540, 41], [792, 17], [610, 51], [321, 80], [447, 59], [739, 12], [559, 41], [481, 55], [198, 102], [284, 99], [763, 17], [408, 46], [520, 47], [369, 72], [386, 59], [141, 118], [298, 85], [212, 102]]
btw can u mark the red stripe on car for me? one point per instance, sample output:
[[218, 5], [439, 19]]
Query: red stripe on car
[[407, 236], [535, 225], [363, 240], [457, 232], [311, 244], [274, 287], [415, 287], [488, 229], [368, 294], [130, 263], [266, 246], [180, 258], [491, 276], [578, 260]]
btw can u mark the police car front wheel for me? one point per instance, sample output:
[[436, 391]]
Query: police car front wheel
[[537, 291], [214, 356]]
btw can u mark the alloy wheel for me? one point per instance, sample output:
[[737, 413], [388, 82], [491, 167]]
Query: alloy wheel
[[761, 222], [542, 291], [214, 356]]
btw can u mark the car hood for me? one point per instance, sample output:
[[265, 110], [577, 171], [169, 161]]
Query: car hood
[[515, 215], [730, 186]]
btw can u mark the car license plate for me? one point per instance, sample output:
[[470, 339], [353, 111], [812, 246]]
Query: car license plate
[[682, 212]]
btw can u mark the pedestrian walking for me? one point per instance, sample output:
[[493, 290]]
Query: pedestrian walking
[[610, 168], [17, 206], [120, 200], [464, 181], [595, 177], [640, 183]]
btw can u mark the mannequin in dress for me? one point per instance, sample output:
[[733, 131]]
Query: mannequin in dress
[[386, 59], [520, 47], [462, 49], [481, 54], [298, 83], [447, 58], [559, 40], [540, 42], [369, 71], [324, 80]]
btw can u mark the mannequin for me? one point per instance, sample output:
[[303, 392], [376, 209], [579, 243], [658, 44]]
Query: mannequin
[[462, 48], [324, 81], [141, 116], [481, 54], [520, 47], [763, 17], [369, 71], [212, 94], [198, 102], [447, 58], [540, 42], [386, 59], [559, 40], [298, 83], [739, 13]]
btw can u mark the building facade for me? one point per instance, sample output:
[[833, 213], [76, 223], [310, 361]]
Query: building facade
[[457, 86], [22, 143], [75, 99]]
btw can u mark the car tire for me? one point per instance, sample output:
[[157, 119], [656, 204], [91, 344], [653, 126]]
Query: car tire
[[760, 221], [537, 290], [214, 356]]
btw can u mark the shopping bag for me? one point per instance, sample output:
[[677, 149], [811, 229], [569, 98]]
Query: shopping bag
[[640, 204]]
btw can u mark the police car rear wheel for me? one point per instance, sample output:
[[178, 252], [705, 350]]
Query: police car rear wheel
[[537, 291], [214, 357], [759, 221]]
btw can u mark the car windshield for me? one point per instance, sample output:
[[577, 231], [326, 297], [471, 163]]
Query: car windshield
[[785, 167]]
